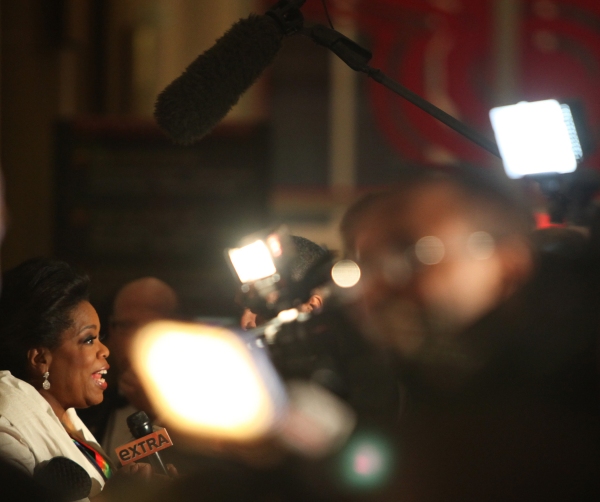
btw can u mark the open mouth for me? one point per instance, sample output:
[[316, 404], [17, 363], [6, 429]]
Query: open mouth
[[99, 377]]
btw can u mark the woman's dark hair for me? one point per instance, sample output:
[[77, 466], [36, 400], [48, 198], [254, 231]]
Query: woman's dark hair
[[36, 302]]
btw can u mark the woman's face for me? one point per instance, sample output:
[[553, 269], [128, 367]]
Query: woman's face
[[78, 364]]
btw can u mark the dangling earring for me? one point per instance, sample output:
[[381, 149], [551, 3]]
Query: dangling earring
[[46, 383]]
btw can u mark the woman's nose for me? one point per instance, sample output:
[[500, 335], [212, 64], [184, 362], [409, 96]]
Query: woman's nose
[[103, 351]]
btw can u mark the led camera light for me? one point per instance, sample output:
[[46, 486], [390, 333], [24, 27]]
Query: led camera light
[[536, 138], [252, 262]]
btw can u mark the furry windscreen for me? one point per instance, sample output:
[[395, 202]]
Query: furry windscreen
[[193, 104]]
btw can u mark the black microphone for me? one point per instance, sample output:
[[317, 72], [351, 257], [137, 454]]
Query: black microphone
[[194, 103], [64, 479], [140, 425]]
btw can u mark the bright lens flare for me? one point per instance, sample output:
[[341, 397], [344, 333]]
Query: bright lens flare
[[367, 462], [286, 316], [481, 245], [203, 380], [345, 273], [252, 262], [430, 250]]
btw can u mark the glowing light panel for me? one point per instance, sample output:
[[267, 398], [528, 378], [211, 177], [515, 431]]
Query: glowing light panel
[[536, 138], [252, 262]]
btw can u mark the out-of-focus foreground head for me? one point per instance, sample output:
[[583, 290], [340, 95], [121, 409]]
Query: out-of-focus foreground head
[[436, 254], [136, 304], [307, 254]]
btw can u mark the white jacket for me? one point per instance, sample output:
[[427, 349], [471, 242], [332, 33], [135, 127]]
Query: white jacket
[[30, 432]]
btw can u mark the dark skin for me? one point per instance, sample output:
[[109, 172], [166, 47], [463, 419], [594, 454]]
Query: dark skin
[[73, 365]]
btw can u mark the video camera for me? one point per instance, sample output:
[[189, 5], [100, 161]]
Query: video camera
[[323, 347], [264, 266]]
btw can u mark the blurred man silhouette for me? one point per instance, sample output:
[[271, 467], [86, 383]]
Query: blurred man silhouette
[[435, 257], [496, 342]]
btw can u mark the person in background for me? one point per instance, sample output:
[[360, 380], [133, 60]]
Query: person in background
[[327, 351], [495, 342], [137, 303], [436, 255], [307, 254]]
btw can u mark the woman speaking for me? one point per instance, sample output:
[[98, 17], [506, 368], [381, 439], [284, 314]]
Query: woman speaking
[[51, 361]]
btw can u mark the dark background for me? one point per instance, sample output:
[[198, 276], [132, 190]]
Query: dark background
[[90, 179]]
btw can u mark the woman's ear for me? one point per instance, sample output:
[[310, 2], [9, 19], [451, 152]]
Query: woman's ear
[[39, 360]]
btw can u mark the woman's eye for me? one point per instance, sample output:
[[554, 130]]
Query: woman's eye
[[89, 340]]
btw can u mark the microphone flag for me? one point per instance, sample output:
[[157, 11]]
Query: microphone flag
[[144, 447]]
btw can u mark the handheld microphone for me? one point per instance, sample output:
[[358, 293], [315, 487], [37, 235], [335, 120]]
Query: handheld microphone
[[147, 445], [64, 479], [194, 103]]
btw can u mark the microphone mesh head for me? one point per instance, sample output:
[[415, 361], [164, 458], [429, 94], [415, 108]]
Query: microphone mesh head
[[65, 478], [137, 419], [139, 424], [193, 104]]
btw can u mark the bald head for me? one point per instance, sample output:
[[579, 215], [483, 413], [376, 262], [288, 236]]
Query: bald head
[[149, 295], [136, 304]]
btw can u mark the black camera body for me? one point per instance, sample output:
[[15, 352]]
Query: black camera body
[[328, 349]]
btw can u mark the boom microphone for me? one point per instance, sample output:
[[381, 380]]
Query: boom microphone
[[193, 104]]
